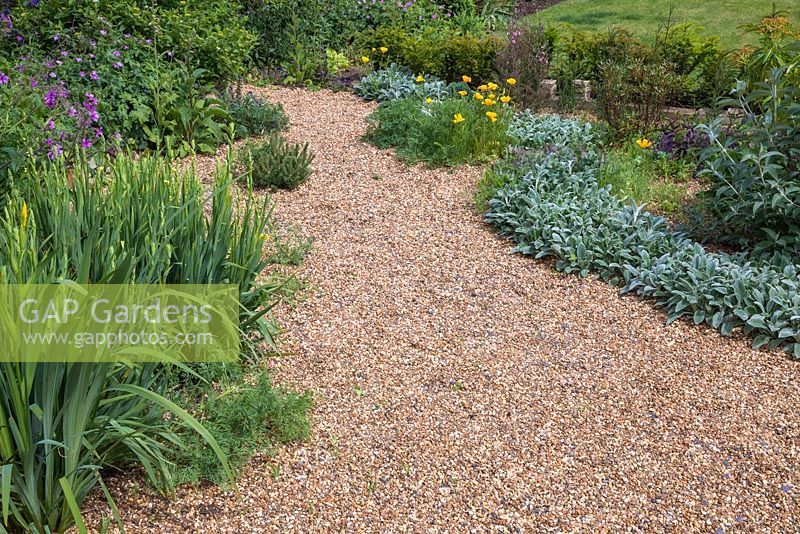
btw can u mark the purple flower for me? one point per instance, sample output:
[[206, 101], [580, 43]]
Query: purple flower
[[118, 136], [115, 53], [118, 65], [19, 38], [82, 74], [34, 83], [85, 143], [53, 75], [148, 41], [93, 75], [20, 68], [98, 132], [103, 32], [3, 78], [51, 98], [54, 152], [64, 53], [78, 60], [49, 141], [56, 37]]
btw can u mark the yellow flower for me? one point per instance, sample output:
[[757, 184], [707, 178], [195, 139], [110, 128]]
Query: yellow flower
[[462, 93], [458, 117], [478, 96], [23, 215], [489, 102], [482, 88], [373, 50], [428, 100], [420, 79], [492, 116], [511, 81], [383, 49], [466, 79], [492, 86], [644, 143], [505, 99], [364, 60], [491, 95]]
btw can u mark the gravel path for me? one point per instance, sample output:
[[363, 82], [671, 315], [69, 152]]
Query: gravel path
[[460, 388]]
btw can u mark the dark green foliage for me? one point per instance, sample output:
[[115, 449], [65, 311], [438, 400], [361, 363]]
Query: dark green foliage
[[243, 415], [631, 95], [253, 115], [438, 52], [277, 164]]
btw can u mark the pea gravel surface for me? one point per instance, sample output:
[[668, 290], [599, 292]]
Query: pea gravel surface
[[461, 388]]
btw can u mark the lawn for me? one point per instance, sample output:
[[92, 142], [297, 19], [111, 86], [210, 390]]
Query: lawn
[[721, 18]]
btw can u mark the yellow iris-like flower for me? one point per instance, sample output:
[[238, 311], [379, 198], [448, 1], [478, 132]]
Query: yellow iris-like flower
[[483, 88], [420, 79], [511, 81], [478, 96], [364, 60], [23, 214], [492, 116], [428, 100], [492, 86], [489, 102], [466, 79], [462, 93], [644, 143], [383, 49], [458, 118], [505, 99]]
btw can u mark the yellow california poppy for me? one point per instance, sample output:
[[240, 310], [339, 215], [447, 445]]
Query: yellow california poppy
[[420, 79], [505, 99], [466, 79], [462, 93], [483, 88], [364, 60], [511, 81], [489, 102], [478, 96], [428, 100], [644, 143], [457, 118], [492, 116], [492, 86], [383, 49]]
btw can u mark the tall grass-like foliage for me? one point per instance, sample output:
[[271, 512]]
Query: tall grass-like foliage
[[137, 221]]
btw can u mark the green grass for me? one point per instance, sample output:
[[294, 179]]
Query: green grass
[[720, 18], [660, 184]]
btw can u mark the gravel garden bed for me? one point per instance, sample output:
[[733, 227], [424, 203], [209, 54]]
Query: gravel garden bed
[[459, 387]]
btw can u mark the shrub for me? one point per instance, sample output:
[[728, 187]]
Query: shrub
[[277, 164], [438, 52], [553, 206], [754, 168], [631, 95], [253, 115], [242, 417], [545, 131], [526, 58], [446, 132]]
